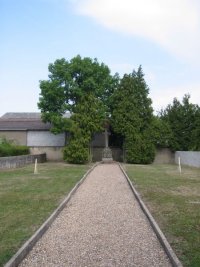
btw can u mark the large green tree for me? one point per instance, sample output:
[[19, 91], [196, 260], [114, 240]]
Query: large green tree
[[162, 133], [182, 119], [82, 87], [132, 117]]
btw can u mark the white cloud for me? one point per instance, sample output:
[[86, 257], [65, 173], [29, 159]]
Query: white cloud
[[165, 95], [173, 24]]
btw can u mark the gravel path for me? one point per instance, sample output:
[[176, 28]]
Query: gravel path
[[101, 226]]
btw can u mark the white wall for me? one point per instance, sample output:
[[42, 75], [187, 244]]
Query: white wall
[[190, 158], [45, 138]]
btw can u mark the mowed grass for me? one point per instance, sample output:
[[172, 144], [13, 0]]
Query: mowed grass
[[174, 201], [26, 200]]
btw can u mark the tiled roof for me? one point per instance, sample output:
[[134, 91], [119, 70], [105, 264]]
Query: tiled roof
[[21, 115], [17, 125], [22, 121]]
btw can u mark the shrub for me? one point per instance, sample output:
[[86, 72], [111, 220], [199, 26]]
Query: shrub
[[139, 149], [76, 152], [8, 149]]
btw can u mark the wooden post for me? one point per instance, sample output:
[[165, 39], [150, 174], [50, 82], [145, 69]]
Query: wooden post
[[35, 168], [179, 164]]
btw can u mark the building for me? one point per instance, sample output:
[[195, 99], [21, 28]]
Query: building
[[28, 129]]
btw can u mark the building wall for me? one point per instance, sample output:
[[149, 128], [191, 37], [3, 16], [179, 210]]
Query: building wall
[[39, 142], [45, 139], [52, 153], [189, 158], [19, 137], [46, 142]]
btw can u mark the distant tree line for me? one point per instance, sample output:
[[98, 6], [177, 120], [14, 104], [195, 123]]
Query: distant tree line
[[95, 98], [180, 121]]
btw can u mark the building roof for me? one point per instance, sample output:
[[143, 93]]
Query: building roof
[[22, 122], [21, 115]]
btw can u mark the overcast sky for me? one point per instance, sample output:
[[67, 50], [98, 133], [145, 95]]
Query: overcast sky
[[161, 35]]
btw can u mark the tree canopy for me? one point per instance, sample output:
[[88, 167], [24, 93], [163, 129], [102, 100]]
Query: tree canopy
[[132, 117], [81, 86], [85, 89], [182, 119], [69, 82]]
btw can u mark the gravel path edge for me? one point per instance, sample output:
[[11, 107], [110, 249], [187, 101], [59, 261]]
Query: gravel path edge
[[161, 237], [29, 244]]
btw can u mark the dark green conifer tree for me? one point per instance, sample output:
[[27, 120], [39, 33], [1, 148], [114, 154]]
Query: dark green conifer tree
[[132, 117], [181, 116]]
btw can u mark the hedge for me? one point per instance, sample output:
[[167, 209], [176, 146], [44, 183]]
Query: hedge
[[8, 149]]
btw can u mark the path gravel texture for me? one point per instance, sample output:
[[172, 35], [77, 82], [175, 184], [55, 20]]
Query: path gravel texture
[[101, 226]]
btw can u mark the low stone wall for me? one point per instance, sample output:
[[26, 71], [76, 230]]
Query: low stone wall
[[189, 158], [19, 161], [164, 156]]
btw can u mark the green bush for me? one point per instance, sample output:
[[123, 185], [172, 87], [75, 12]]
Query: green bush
[[139, 150], [76, 152], [8, 149]]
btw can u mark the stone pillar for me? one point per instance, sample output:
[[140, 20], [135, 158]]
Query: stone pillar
[[106, 137], [107, 152]]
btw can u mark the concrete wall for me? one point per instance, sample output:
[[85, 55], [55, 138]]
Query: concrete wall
[[190, 158], [19, 137], [19, 161], [164, 156], [45, 139], [52, 153]]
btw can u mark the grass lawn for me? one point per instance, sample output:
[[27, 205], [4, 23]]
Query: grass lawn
[[26, 200], [174, 201]]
